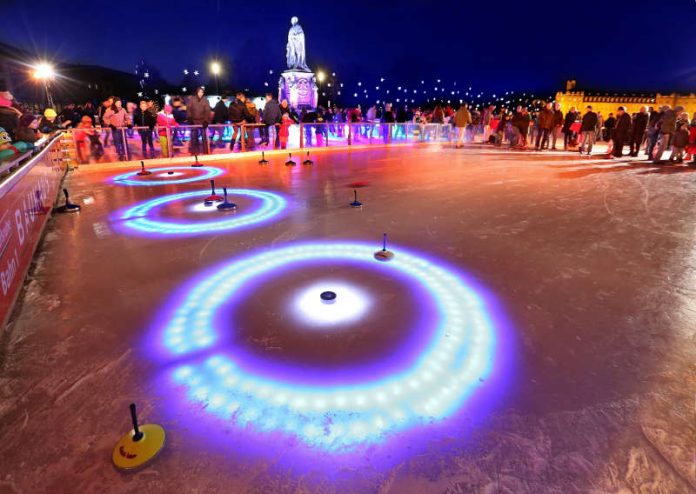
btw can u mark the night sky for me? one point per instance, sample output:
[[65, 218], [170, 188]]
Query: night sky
[[492, 45]]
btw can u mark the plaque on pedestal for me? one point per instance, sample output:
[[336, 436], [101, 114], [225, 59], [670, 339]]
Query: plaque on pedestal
[[299, 88]]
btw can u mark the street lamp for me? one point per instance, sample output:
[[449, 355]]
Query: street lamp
[[321, 76], [215, 68], [45, 73]]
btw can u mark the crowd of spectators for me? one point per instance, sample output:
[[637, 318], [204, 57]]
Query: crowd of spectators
[[543, 127]]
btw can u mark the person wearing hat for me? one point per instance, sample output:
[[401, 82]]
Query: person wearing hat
[[9, 115], [27, 131], [50, 122]]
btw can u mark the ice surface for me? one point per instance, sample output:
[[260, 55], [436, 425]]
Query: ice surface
[[591, 263]]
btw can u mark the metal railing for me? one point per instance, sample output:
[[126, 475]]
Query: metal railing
[[103, 144]]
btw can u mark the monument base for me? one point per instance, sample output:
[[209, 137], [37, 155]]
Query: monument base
[[299, 88]]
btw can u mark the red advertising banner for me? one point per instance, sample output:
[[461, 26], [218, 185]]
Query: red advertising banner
[[26, 199]]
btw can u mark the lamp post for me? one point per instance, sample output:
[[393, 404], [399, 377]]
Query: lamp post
[[321, 76], [45, 73], [215, 69]]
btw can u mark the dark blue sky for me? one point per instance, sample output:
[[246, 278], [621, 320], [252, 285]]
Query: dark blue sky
[[492, 45]]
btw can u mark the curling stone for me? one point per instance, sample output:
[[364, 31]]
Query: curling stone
[[213, 197], [290, 161], [308, 161], [328, 297], [143, 171], [355, 203], [263, 160], [138, 446], [384, 255], [197, 164], [226, 205], [68, 207]]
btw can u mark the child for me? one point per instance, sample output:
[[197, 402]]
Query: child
[[284, 132], [679, 142], [86, 137], [165, 122]]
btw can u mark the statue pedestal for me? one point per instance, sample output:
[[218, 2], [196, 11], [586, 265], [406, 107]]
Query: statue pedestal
[[299, 88]]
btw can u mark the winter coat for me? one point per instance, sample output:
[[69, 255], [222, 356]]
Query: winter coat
[[165, 121], [26, 134], [116, 118], [462, 118], [610, 123], [237, 112], [198, 110], [623, 126], [640, 122], [9, 119], [668, 122], [546, 119], [569, 120], [557, 118], [271, 112], [252, 116], [680, 139], [589, 122], [220, 113], [145, 118]]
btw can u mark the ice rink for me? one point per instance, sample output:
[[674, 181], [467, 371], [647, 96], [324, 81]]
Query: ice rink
[[534, 331]]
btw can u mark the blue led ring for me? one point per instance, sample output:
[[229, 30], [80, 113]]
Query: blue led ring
[[130, 178], [448, 369], [136, 217]]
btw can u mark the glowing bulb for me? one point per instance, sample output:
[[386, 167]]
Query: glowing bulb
[[44, 71]]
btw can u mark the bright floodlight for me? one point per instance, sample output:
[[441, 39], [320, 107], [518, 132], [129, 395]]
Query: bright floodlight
[[44, 71], [321, 76], [215, 68]]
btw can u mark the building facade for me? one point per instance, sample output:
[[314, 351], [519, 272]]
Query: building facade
[[606, 103]]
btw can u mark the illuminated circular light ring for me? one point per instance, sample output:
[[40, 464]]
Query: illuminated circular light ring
[[136, 217], [459, 354], [127, 178]]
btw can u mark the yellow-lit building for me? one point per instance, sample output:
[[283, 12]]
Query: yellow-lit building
[[606, 103]]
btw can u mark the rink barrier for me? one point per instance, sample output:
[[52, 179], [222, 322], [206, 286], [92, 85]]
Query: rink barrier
[[215, 139], [26, 201]]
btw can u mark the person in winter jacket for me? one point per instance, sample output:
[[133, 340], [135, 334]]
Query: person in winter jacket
[[691, 148], [270, 117], [621, 132], [27, 131], [118, 120], [237, 114], [568, 122], [461, 119], [640, 123], [284, 130], [545, 124], [668, 125], [165, 123], [557, 124], [50, 122], [198, 112], [680, 141], [609, 125], [145, 118], [588, 129], [251, 120], [219, 118]]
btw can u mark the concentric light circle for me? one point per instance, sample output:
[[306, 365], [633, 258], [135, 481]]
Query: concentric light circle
[[131, 178], [332, 416], [136, 217]]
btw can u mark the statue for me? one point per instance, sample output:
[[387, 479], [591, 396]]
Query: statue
[[295, 52]]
